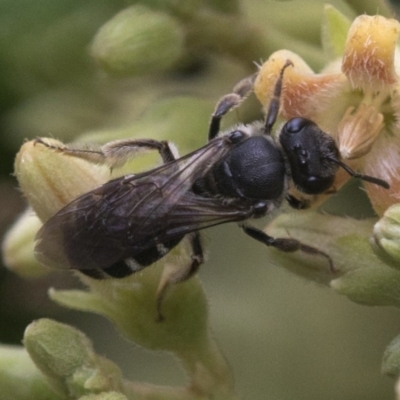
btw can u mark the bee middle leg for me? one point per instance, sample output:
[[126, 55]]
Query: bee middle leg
[[115, 153], [183, 274], [287, 245]]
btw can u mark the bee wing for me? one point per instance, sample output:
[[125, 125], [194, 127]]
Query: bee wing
[[128, 215]]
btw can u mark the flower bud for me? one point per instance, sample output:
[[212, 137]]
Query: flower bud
[[386, 234], [373, 285], [337, 237], [138, 40], [357, 271], [105, 396], [66, 357], [50, 179], [19, 377], [18, 245], [391, 359]]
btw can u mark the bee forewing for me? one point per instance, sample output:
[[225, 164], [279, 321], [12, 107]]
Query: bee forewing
[[128, 215]]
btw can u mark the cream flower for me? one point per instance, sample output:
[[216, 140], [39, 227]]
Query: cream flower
[[355, 99]]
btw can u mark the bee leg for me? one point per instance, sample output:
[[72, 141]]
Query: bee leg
[[273, 109], [287, 245], [120, 151], [181, 275], [116, 153], [229, 102]]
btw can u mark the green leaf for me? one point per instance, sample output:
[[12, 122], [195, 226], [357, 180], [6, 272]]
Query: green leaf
[[335, 26]]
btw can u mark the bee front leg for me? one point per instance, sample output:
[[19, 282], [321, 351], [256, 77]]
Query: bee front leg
[[181, 275], [115, 153]]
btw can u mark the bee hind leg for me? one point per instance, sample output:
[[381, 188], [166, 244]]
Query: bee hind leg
[[115, 153], [182, 275]]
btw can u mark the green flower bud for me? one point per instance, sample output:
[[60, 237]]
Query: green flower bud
[[50, 180], [66, 357], [18, 244], [377, 285], [104, 396], [387, 235], [178, 7], [334, 236], [358, 272], [137, 41], [20, 379], [391, 359]]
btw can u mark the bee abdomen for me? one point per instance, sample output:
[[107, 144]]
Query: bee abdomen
[[128, 266]]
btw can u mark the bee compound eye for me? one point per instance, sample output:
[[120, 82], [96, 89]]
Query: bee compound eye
[[295, 125]]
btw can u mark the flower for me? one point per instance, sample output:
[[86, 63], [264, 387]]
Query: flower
[[355, 99]]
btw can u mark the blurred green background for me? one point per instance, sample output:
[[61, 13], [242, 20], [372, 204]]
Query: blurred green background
[[285, 338]]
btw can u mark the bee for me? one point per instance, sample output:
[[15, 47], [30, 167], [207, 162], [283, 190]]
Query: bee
[[133, 221]]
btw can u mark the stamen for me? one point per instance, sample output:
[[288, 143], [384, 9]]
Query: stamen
[[358, 131]]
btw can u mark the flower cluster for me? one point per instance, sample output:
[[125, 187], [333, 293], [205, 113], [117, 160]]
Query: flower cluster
[[355, 98]]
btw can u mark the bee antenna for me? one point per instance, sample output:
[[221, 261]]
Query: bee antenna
[[354, 174]]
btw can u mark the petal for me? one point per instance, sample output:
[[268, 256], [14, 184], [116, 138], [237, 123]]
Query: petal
[[383, 161], [358, 130], [305, 93], [368, 60]]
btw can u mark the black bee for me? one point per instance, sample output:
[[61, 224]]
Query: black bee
[[132, 221]]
